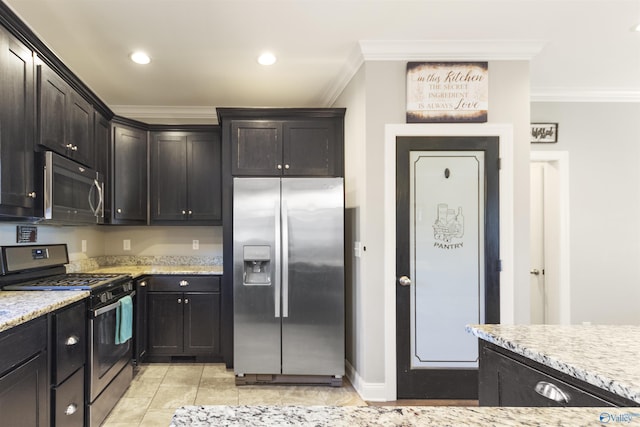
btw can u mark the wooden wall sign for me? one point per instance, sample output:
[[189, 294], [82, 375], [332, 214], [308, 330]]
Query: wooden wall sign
[[447, 92]]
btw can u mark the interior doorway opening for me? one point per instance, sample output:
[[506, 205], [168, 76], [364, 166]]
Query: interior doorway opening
[[549, 237]]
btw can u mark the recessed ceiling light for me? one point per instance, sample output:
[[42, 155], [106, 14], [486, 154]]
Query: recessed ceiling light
[[140, 58], [267, 58]]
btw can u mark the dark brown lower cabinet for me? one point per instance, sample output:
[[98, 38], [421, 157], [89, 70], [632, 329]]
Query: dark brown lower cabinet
[[183, 317], [24, 381], [509, 379]]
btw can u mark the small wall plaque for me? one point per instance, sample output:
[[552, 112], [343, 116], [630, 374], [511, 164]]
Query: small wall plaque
[[544, 132], [26, 234]]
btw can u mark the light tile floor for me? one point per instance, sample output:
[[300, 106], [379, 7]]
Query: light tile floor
[[159, 388]]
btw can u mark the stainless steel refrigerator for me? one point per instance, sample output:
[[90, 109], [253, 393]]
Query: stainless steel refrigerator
[[288, 279]]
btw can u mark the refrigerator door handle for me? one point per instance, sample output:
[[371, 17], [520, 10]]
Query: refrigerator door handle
[[276, 215], [285, 260]]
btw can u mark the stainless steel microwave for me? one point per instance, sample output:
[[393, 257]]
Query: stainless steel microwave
[[72, 193]]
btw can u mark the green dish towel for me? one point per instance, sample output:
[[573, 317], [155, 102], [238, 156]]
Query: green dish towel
[[124, 320]]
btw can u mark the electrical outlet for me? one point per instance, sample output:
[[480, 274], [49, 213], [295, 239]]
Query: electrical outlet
[[126, 244], [84, 245], [196, 245]]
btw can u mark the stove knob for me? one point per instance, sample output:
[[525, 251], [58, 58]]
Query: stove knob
[[109, 295], [103, 298]]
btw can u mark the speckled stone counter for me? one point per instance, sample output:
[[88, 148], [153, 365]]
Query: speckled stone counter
[[18, 307], [351, 416], [143, 265], [606, 356]]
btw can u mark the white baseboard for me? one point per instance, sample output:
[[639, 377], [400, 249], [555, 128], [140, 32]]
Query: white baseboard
[[373, 392]]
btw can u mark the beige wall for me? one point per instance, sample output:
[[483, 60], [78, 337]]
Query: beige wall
[[107, 240]]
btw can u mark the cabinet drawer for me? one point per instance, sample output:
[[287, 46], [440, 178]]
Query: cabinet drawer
[[522, 385], [68, 401], [184, 284], [70, 341], [20, 343]]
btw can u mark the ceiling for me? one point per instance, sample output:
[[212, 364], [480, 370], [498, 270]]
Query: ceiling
[[204, 51]]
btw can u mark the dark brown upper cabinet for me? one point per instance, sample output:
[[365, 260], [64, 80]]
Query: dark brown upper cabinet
[[186, 177], [65, 119], [284, 142], [17, 125], [129, 177]]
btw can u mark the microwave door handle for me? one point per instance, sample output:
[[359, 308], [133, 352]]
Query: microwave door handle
[[99, 212], [95, 209]]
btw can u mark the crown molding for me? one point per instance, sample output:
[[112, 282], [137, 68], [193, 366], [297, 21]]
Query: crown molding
[[450, 50], [584, 95], [149, 113]]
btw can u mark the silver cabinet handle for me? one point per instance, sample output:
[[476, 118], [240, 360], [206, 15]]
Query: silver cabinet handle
[[184, 283], [179, 300], [404, 281], [184, 212], [143, 284], [119, 210], [69, 146], [186, 300], [71, 409], [72, 340], [32, 195], [286, 166], [551, 392], [190, 212], [279, 166]]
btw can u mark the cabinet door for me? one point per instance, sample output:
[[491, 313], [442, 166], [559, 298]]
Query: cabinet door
[[256, 148], [309, 148], [17, 126], [52, 110], [201, 323], [168, 177], [129, 181], [24, 394], [80, 141], [140, 308], [70, 342], [204, 178], [165, 323]]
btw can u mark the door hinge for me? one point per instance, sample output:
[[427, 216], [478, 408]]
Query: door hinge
[[499, 265]]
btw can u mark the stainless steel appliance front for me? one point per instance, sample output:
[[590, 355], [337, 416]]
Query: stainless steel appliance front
[[288, 276], [73, 193]]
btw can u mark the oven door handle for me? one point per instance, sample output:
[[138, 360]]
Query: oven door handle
[[109, 307]]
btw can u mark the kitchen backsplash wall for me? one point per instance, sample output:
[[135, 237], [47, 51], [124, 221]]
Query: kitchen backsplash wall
[[143, 240], [72, 236], [157, 240]]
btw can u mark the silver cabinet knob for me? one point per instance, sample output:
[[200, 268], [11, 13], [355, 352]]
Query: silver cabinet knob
[[69, 146], [186, 300], [190, 212], [32, 195], [279, 167], [143, 284], [179, 300], [184, 283], [71, 409], [551, 392], [404, 281], [72, 340], [119, 210], [286, 166]]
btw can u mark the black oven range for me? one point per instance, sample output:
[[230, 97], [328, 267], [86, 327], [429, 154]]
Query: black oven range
[[109, 370]]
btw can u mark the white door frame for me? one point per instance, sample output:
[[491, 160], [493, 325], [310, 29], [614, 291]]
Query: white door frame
[[505, 133], [560, 160]]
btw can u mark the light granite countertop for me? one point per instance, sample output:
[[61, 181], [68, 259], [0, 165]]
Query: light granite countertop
[[355, 416], [17, 307], [141, 270], [605, 356]]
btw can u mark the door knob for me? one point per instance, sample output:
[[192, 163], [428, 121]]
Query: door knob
[[404, 281], [535, 272]]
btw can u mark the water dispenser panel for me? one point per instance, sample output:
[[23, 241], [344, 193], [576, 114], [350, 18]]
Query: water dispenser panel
[[257, 265]]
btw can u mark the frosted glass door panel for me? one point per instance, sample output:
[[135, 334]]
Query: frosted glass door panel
[[447, 256]]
